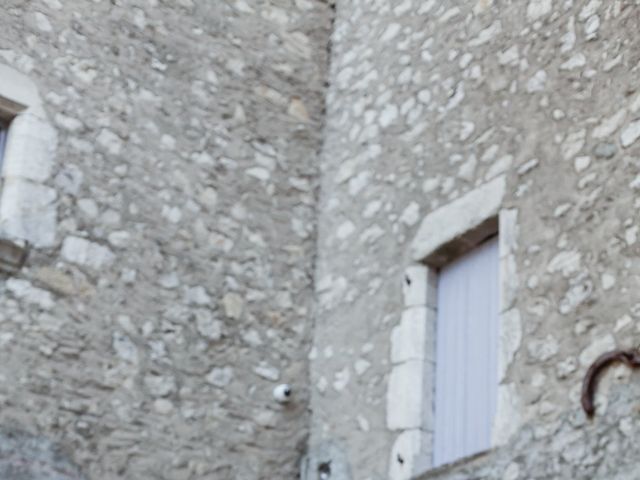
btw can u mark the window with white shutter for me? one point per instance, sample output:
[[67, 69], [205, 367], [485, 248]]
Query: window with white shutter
[[466, 354]]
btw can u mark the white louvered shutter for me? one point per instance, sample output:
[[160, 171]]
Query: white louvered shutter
[[466, 354]]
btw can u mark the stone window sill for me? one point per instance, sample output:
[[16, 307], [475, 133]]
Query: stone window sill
[[438, 472]]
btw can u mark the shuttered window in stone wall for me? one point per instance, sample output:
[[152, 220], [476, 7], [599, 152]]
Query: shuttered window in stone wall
[[466, 354]]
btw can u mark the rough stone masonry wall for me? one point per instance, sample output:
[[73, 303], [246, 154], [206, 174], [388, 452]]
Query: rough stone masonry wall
[[570, 447], [146, 342], [429, 99]]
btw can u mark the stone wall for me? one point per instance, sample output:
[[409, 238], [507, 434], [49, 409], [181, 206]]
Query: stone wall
[[149, 326], [146, 339], [568, 447], [428, 101]]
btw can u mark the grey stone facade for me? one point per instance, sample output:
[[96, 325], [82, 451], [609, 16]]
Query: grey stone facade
[[227, 195], [146, 339], [428, 101]]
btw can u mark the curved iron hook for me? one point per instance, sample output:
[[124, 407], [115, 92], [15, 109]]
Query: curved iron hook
[[631, 358]]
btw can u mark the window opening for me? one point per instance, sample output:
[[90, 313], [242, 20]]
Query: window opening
[[467, 324]]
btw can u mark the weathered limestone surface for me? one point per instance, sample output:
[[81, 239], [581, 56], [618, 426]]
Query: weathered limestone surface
[[427, 101], [146, 332], [175, 286]]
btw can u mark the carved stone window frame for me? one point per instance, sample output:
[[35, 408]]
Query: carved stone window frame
[[446, 234], [27, 202]]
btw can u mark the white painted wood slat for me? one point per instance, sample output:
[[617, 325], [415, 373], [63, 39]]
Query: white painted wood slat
[[466, 354]]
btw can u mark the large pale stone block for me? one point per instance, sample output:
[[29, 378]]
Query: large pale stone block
[[458, 217], [508, 221], [508, 417], [405, 399], [27, 212], [509, 282], [510, 340], [414, 285], [413, 337], [30, 149], [18, 92], [83, 252], [410, 454]]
